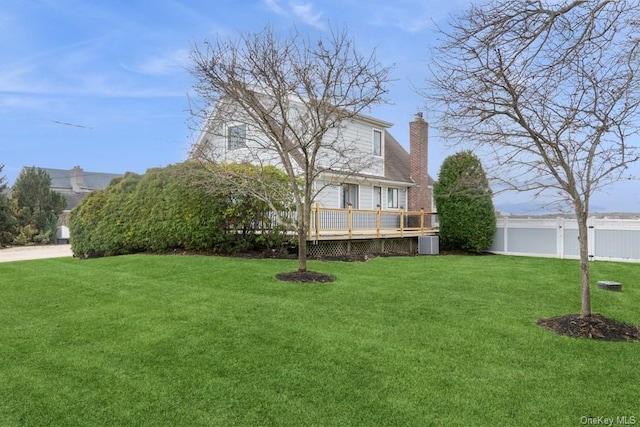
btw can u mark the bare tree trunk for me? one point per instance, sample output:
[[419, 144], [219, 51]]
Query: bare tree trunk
[[304, 223], [302, 230], [583, 239], [302, 252]]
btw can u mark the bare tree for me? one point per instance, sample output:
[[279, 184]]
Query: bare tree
[[288, 99], [549, 92]]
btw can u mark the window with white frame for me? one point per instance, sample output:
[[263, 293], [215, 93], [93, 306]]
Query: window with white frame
[[237, 137], [377, 142], [350, 196], [377, 197], [392, 198]]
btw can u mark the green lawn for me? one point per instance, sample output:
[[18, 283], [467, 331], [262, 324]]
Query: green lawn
[[188, 341]]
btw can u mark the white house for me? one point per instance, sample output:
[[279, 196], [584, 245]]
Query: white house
[[375, 171], [74, 184]]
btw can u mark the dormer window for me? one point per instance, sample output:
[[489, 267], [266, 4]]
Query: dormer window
[[377, 142], [237, 137]]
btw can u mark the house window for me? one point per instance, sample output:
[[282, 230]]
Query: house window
[[377, 197], [392, 197], [237, 137], [350, 196], [377, 143]]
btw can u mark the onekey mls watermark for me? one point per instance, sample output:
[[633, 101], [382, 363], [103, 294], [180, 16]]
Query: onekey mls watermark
[[618, 420]]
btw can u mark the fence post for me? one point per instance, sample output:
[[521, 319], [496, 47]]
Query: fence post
[[422, 221], [591, 238], [560, 238], [401, 223], [350, 222], [378, 222], [506, 236]]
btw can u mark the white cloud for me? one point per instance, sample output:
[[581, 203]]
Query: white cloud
[[296, 10], [275, 7], [413, 16], [410, 18], [20, 83], [305, 12], [171, 62], [86, 68], [16, 102]]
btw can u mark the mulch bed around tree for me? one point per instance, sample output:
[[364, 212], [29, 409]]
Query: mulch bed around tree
[[305, 277], [595, 326]]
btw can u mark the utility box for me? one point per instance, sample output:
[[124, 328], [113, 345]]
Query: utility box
[[428, 245], [610, 285]]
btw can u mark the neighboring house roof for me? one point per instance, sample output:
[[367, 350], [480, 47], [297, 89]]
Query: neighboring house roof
[[79, 179], [73, 199], [76, 183]]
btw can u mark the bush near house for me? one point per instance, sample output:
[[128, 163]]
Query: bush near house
[[182, 206], [465, 208], [98, 225]]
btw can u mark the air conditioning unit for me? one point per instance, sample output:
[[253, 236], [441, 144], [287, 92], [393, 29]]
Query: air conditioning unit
[[428, 245]]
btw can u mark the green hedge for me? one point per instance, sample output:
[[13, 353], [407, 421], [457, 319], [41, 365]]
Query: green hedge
[[183, 206], [464, 202]]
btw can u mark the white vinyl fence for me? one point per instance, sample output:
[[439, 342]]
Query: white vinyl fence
[[609, 239]]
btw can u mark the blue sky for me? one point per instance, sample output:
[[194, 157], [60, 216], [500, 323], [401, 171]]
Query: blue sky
[[104, 85]]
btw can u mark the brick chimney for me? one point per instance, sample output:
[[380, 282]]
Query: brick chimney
[[420, 194], [77, 180]]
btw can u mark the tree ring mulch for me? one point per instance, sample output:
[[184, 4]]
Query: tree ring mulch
[[305, 277], [595, 327]]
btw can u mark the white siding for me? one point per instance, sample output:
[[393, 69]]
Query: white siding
[[355, 139], [359, 136], [253, 153], [366, 197], [329, 196]]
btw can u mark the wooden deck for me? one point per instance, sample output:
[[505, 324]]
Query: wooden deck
[[372, 234], [352, 224]]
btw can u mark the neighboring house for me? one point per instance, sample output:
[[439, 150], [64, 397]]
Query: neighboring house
[[74, 184], [390, 179]]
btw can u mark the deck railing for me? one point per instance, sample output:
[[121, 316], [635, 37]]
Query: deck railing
[[361, 223]]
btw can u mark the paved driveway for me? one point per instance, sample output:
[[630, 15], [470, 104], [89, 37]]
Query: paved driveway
[[21, 253]]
